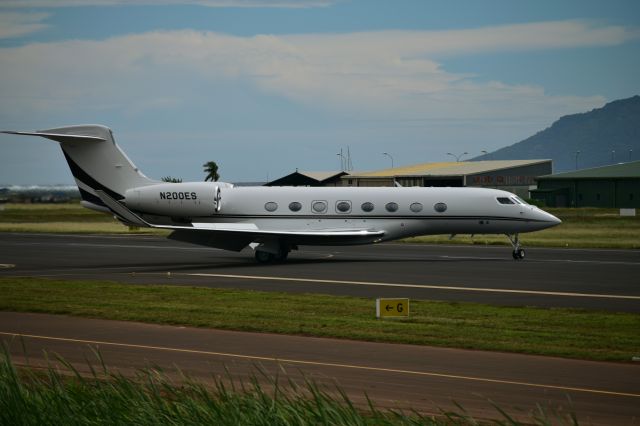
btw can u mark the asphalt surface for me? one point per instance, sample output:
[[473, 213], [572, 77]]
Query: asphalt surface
[[393, 376], [592, 279]]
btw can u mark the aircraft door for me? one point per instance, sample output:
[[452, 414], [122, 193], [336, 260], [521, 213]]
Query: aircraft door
[[217, 199]]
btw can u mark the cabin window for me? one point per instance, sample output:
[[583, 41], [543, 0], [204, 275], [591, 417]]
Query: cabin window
[[343, 206], [295, 206], [319, 206], [505, 200], [367, 207], [271, 206], [391, 207], [440, 207], [416, 207]]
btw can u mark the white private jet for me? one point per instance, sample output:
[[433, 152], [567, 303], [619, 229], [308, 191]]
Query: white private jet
[[275, 220]]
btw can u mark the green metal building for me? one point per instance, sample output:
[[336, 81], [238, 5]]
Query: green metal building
[[616, 186]]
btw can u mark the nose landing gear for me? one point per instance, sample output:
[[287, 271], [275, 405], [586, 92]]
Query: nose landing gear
[[518, 252]]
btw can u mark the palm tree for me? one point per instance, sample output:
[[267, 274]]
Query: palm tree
[[211, 169], [171, 179]]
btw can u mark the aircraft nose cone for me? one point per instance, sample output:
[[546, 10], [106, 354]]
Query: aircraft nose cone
[[553, 221]]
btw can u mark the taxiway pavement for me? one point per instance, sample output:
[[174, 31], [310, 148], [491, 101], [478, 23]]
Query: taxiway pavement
[[585, 278]]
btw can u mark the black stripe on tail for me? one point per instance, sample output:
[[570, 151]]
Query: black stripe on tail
[[87, 196], [85, 178]]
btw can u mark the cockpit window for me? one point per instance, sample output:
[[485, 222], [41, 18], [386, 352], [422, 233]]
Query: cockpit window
[[520, 200], [505, 200]]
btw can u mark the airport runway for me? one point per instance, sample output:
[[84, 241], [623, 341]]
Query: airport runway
[[594, 279], [394, 376]]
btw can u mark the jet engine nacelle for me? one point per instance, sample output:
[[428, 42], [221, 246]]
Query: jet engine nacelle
[[175, 199]]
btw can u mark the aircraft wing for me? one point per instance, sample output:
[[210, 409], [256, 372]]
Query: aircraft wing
[[236, 236]]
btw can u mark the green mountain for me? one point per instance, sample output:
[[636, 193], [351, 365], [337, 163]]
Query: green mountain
[[603, 136]]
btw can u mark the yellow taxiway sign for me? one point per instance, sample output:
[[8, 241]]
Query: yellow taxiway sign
[[392, 308]]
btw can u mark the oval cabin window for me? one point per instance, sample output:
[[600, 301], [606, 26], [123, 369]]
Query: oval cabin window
[[416, 207], [295, 206], [319, 206], [343, 206], [440, 207], [391, 207], [271, 206], [367, 207]]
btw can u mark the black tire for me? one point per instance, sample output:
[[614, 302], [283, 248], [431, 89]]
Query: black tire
[[521, 254], [264, 257], [515, 255], [282, 256]]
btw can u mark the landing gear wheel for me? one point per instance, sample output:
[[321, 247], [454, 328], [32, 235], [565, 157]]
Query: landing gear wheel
[[264, 256], [518, 254], [282, 256]]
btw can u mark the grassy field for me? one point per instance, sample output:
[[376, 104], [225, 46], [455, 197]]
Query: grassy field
[[63, 218], [50, 397], [571, 333], [602, 228]]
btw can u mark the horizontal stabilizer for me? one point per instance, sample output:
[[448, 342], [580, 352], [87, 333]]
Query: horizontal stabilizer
[[58, 137]]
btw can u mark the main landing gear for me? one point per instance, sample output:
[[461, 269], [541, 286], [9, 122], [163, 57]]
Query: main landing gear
[[518, 252], [274, 255], [266, 257]]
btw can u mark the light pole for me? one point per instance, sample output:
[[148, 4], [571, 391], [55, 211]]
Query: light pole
[[630, 152], [457, 157], [341, 161], [389, 155], [613, 156], [577, 153]]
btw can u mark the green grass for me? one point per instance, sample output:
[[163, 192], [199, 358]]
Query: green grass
[[30, 397], [585, 227], [151, 398], [63, 218], [572, 333]]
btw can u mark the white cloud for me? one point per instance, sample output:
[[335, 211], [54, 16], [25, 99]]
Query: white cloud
[[206, 3], [390, 75], [537, 35], [20, 24]]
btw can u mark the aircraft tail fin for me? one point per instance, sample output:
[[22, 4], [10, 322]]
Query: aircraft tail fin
[[96, 162]]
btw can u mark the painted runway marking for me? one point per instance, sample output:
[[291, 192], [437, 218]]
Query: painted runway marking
[[7, 265], [124, 246], [423, 286], [597, 262], [327, 364]]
